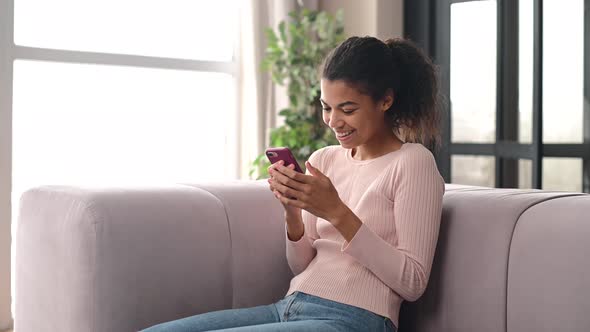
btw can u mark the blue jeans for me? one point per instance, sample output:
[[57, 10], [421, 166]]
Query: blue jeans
[[296, 312]]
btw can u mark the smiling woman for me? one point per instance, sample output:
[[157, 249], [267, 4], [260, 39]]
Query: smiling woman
[[377, 197], [362, 223]]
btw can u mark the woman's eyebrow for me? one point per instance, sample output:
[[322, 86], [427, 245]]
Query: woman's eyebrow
[[346, 103]]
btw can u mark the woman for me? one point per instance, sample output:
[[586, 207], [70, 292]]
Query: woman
[[363, 222]]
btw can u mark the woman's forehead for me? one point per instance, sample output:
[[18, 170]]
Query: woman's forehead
[[339, 91]]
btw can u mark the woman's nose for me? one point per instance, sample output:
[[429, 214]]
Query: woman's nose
[[334, 121]]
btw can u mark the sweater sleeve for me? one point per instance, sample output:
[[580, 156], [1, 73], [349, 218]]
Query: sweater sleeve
[[417, 208], [301, 252]]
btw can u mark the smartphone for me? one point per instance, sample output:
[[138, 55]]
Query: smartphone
[[284, 154]]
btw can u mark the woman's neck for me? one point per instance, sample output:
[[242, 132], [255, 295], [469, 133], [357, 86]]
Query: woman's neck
[[371, 151]]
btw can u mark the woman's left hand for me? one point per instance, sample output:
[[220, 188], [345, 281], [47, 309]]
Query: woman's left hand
[[314, 193]]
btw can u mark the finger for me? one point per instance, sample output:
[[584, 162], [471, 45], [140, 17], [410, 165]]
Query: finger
[[314, 171], [293, 174], [287, 191], [288, 181], [274, 166], [272, 169], [289, 202]]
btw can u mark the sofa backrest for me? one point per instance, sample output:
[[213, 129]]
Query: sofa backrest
[[506, 260], [259, 270], [121, 259]]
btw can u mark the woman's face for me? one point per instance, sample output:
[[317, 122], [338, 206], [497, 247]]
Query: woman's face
[[354, 117]]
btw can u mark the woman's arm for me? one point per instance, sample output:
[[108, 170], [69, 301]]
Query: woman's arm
[[300, 235], [300, 251], [405, 268]]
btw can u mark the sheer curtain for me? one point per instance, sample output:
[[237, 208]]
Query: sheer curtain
[[260, 99]]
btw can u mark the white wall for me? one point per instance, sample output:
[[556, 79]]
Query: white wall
[[5, 160], [379, 18]]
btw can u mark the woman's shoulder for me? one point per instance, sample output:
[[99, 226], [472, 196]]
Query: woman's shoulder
[[411, 158], [416, 151], [417, 160]]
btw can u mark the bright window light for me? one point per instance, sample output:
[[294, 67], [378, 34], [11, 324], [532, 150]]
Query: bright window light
[[563, 73], [525, 75], [190, 29], [473, 71], [99, 124]]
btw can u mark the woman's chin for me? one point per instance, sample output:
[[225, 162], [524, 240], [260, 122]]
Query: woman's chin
[[346, 145]]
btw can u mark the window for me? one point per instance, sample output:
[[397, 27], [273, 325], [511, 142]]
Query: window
[[119, 92], [519, 113]]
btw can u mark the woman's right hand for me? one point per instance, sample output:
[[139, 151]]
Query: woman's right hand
[[291, 212], [293, 218]]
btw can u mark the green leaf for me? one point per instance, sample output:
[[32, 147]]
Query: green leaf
[[271, 36], [284, 112], [283, 32]]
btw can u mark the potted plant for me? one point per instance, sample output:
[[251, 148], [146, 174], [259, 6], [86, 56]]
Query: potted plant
[[294, 53]]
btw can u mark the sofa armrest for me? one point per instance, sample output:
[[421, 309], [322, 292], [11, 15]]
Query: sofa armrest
[[119, 259]]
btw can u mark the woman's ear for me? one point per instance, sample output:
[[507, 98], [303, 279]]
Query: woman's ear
[[387, 100]]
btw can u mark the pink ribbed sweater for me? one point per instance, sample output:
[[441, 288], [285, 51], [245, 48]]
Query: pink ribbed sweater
[[398, 197]]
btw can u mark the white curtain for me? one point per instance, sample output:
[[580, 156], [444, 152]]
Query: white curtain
[[259, 99]]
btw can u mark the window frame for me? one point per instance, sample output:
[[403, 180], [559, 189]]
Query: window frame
[[430, 28]]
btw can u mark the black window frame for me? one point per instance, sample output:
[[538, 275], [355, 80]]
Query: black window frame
[[427, 22]]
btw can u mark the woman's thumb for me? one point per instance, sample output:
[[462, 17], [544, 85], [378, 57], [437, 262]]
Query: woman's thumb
[[314, 171]]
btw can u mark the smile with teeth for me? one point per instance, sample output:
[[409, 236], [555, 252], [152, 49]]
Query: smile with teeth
[[344, 134]]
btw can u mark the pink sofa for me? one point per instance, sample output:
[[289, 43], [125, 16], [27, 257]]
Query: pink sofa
[[124, 258]]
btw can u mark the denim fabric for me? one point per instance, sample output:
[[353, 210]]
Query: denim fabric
[[296, 312]]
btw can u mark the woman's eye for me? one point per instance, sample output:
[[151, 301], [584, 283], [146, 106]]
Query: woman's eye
[[343, 111]]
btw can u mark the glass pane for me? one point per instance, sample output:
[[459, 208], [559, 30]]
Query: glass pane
[[564, 174], [563, 70], [473, 71], [191, 29], [525, 71], [473, 170], [525, 174], [97, 124]]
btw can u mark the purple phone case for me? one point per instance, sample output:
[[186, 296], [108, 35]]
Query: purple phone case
[[281, 153]]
